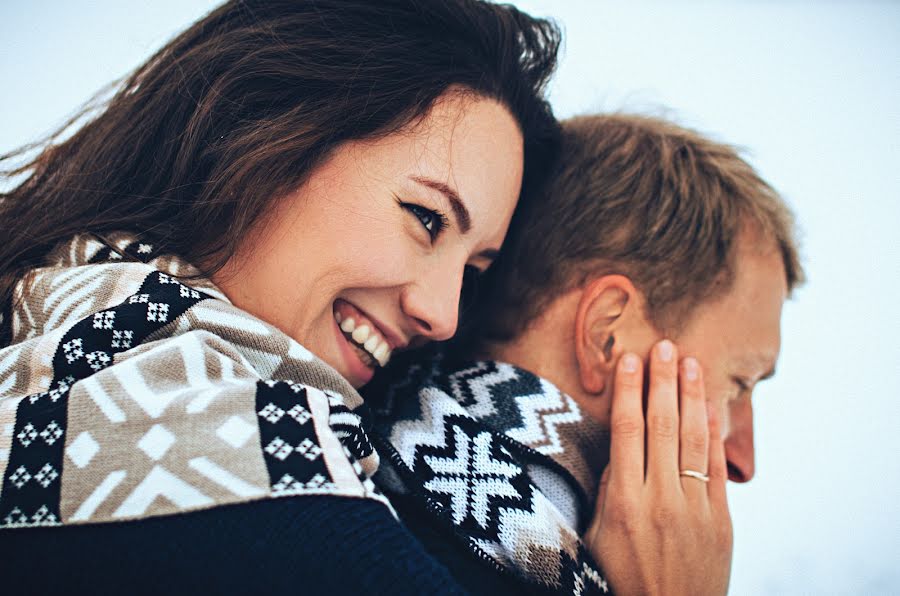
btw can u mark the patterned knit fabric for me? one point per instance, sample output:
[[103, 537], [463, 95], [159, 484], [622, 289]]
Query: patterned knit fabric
[[501, 456], [127, 393]]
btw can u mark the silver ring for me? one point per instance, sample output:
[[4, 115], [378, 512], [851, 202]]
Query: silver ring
[[694, 474]]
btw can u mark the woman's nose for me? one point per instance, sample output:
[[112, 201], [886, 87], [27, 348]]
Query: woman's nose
[[433, 305]]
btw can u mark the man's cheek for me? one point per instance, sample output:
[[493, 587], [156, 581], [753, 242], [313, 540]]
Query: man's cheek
[[723, 416]]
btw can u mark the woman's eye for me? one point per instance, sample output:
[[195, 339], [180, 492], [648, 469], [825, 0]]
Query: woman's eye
[[432, 221]]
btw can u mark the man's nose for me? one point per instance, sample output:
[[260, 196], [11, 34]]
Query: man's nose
[[739, 441], [433, 305]]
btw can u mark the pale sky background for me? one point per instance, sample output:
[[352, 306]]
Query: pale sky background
[[812, 91]]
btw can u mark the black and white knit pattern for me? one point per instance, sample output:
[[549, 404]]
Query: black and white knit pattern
[[463, 440], [126, 384], [31, 490]]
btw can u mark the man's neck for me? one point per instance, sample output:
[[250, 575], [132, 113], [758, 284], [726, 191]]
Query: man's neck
[[547, 352]]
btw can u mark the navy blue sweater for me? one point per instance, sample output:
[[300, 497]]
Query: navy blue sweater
[[298, 545]]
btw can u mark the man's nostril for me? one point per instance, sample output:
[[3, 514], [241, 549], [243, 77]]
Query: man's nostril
[[735, 474]]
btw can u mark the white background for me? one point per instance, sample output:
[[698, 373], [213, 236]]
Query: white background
[[812, 91]]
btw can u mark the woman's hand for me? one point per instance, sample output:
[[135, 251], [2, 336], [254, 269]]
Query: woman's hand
[[655, 530]]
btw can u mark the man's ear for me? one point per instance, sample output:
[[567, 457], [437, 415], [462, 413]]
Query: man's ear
[[604, 302]]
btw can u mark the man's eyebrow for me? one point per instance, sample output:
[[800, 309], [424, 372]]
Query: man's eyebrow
[[464, 220]]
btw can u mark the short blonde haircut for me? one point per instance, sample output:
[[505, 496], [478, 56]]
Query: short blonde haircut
[[642, 197]]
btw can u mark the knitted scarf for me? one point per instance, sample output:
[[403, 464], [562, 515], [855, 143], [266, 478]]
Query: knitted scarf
[[127, 393], [498, 455]]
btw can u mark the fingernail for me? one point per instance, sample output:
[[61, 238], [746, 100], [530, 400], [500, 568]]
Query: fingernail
[[629, 363], [665, 350], [690, 369]]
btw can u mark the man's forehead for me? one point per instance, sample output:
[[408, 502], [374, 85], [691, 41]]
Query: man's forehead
[[753, 330], [751, 310]]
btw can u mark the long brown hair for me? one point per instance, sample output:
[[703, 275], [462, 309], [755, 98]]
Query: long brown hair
[[237, 110]]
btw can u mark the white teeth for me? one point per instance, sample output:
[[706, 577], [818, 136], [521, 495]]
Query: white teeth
[[361, 334], [366, 337], [382, 353], [378, 349]]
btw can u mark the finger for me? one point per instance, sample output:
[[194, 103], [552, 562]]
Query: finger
[[626, 449], [662, 417], [694, 445], [718, 470]]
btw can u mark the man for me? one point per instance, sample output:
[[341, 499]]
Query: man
[[646, 231]]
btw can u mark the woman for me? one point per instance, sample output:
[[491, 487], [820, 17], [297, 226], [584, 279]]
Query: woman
[[194, 284]]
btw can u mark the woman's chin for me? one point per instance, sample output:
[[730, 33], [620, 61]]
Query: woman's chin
[[357, 375]]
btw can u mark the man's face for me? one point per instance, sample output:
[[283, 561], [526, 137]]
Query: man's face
[[736, 338]]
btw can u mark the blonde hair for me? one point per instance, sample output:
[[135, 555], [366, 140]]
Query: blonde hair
[[642, 197]]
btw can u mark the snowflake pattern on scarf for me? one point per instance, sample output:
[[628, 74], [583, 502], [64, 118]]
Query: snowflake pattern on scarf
[[462, 439]]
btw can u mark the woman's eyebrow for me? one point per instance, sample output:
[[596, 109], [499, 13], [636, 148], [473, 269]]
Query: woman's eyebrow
[[463, 219]]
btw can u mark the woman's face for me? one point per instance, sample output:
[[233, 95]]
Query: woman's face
[[368, 254]]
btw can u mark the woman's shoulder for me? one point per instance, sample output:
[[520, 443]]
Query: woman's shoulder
[[320, 544]]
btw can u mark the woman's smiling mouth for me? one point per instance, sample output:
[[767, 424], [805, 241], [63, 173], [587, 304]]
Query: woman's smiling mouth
[[365, 337]]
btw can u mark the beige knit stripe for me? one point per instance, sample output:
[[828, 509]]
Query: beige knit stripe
[[272, 353], [60, 283], [8, 357], [15, 378], [24, 325], [174, 457], [74, 306], [77, 251], [126, 280], [86, 247], [40, 361], [544, 563]]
